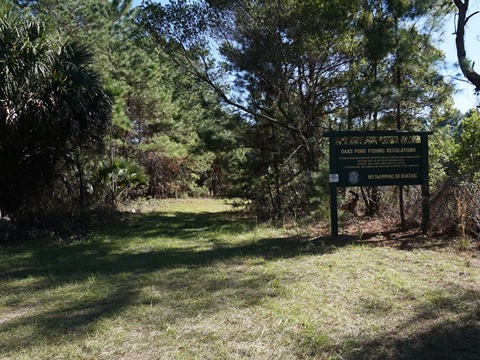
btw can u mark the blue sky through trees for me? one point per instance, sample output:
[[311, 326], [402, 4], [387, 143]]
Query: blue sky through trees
[[464, 95]]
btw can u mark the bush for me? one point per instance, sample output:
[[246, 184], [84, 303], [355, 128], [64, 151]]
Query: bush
[[455, 209]]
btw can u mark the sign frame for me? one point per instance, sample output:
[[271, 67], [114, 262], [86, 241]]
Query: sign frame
[[378, 165]]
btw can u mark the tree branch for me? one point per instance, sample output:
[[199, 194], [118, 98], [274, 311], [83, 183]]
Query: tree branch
[[463, 61]]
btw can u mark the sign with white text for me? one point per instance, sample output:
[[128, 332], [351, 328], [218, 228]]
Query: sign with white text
[[373, 164], [379, 164]]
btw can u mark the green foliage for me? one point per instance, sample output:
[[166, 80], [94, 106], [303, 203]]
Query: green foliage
[[52, 102], [468, 153], [126, 177], [444, 146], [159, 117], [395, 83], [300, 68], [441, 151], [233, 96], [319, 194]]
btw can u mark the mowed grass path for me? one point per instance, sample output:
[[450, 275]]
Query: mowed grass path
[[192, 279]]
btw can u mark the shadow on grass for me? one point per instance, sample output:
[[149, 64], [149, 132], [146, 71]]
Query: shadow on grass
[[180, 225], [180, 281], [61, 322], [198, 238], [396, 238], [441, 330], [140, 301], [166, 260]]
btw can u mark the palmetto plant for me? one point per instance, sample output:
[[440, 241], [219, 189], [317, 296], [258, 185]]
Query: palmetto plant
[[50, 103], [129, 177]]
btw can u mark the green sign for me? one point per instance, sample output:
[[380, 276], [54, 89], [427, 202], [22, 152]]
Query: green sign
[[378, 165], [402, 163]]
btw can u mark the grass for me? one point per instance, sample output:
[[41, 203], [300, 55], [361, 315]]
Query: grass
[[193, 279]]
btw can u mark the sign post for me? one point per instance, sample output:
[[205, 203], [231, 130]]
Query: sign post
[[378, 165], [425, 185], [333, 180]]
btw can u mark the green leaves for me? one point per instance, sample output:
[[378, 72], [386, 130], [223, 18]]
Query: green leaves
[[51, 101], [297, 68], [468, 154]]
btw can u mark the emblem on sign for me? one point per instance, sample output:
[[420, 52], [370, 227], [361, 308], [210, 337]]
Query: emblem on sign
[[353, 177]]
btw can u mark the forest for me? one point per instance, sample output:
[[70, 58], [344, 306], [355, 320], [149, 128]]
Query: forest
[[104, 102], [164, 180]]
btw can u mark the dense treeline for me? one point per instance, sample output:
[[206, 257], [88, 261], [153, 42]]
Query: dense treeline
[[145, 130], [102, 102], [300, 68], [53, 106]]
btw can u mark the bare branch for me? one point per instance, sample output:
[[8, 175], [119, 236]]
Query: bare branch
[[468, 18], [463, 61]]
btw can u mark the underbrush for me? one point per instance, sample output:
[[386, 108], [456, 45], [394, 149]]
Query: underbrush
[[53, 224]]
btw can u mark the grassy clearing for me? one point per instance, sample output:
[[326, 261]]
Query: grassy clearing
[[191, 279]]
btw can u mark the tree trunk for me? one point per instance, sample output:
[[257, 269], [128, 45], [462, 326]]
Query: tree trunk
[[276, 168], [463, 61], [81, 185], [112, 173], [398, 115]]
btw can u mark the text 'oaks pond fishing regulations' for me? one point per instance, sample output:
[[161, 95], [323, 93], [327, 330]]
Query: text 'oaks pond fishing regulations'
[[379, 164], [375, 164]]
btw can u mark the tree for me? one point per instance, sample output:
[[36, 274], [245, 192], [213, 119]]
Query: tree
[[299, 68], [396, 83], [158, 115], [465, 64], [286, 61], [467, 155], [51, 104]]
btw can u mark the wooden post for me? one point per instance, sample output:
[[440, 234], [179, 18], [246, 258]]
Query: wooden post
[[425, 186], [333, 188]]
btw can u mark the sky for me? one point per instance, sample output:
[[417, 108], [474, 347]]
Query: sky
[[464, 96]]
